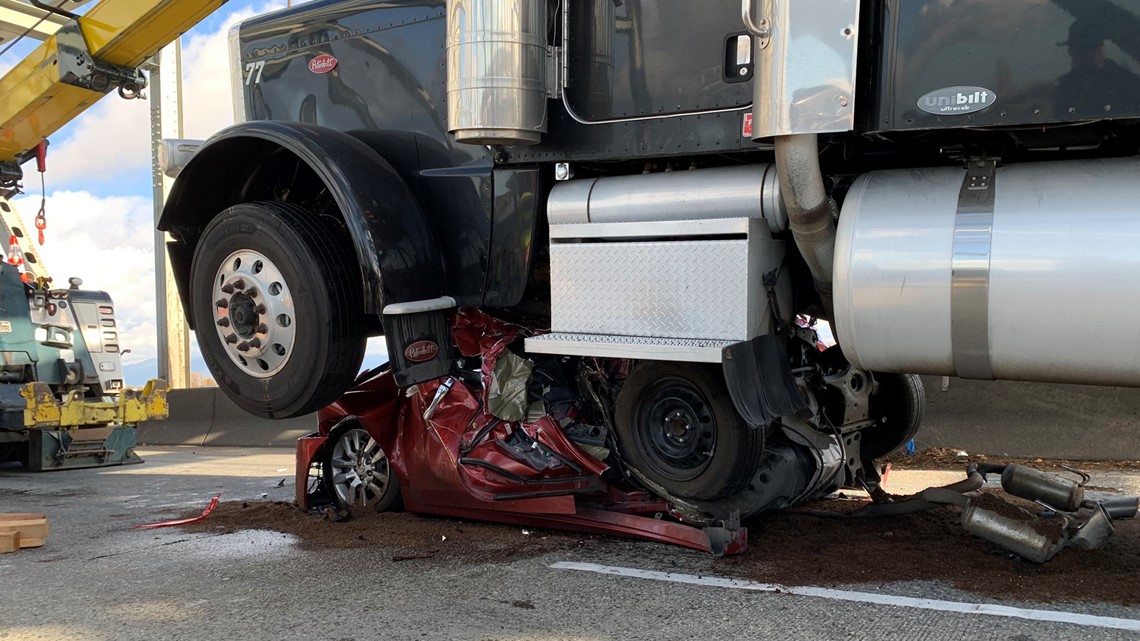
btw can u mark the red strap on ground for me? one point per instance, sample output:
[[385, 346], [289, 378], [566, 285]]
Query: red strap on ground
[[206, 512]]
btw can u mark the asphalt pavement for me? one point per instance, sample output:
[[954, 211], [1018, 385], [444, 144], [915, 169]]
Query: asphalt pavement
[[99, 579]]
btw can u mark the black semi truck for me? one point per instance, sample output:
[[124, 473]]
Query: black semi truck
[[669, 193]]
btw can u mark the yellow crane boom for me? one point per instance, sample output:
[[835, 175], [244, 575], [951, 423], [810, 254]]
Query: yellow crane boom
[[86, 58]]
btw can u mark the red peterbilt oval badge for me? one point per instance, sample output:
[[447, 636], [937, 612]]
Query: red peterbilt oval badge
[[323, 63], [421, 351]]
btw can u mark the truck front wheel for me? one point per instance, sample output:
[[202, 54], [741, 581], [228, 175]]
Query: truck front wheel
[[278, 308]]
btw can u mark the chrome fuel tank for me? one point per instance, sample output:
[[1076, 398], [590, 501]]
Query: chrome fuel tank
[[747, 191], [1027, 272]]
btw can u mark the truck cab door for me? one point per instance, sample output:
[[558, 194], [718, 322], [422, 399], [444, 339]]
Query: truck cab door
[[629, 59]]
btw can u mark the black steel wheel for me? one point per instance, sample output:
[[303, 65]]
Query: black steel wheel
[[676, 424], [277, 306], [358, 474], [898, 406]]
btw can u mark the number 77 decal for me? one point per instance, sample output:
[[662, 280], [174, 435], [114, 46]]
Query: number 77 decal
[[254, 69]]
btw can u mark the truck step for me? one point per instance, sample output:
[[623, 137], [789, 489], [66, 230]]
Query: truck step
[[646, 347]]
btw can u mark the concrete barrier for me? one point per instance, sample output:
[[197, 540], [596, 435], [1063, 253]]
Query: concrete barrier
[[204, 416], [1032, 419], [985, 417]]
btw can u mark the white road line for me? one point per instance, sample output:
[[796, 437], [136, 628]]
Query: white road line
[[1053, 616]]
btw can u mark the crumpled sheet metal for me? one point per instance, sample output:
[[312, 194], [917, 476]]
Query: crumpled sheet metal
[[507, 391], [462, 417], [478, 334], [431, 451], [458, 422]]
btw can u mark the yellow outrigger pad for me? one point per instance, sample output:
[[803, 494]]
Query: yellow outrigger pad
[[34, 100], [133, 406]]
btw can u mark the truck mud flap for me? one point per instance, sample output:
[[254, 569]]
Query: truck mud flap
[[419, 345], [760, 380]]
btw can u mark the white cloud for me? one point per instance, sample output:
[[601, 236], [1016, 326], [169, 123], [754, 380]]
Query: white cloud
[[109, 141]]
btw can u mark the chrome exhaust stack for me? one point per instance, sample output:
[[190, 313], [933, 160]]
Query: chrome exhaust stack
[[793, 103], [811, 213], [496, 71]]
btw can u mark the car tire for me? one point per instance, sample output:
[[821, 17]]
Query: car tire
[[676, 424], [358, 473], [277, 307]]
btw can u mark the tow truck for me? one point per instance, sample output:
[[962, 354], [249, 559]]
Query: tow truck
[[63, 404], [587, 230], [62, 399]]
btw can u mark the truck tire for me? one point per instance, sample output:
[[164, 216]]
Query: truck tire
[[899, 405], [676, 424], [278, 309]]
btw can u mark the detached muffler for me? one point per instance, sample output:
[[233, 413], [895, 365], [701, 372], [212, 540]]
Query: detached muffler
[[1033, 537], [1036, 485], [1017, 530]]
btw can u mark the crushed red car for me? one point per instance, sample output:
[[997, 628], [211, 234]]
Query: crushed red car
[[445, 448]]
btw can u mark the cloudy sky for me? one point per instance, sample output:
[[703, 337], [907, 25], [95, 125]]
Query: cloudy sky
[[99, 205]]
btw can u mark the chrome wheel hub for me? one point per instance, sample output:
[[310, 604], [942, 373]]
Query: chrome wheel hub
[[253, 313], [360, 470]]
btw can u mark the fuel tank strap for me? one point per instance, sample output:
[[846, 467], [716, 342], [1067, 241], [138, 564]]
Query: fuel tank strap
[[970, 275]]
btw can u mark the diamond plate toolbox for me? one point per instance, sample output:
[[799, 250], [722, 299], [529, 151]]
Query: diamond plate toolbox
[[690, 287]]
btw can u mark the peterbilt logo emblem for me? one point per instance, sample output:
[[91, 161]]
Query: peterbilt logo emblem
[[421, 351], [957, 101], [323, 63]]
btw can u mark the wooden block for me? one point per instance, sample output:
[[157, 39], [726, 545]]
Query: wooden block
[[20, 516], [29, 528], [9, 542], [30, 542], [22, 530]]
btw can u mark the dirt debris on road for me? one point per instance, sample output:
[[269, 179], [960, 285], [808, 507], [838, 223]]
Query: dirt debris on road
[[410, 537], [802, 547], [948, 458]]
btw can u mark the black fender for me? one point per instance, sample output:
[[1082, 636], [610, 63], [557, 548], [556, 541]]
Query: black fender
[[398, 255]]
